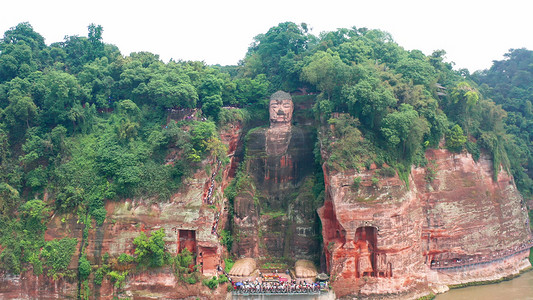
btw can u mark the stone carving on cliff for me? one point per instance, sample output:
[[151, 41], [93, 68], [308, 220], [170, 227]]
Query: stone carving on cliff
[[278, 160]]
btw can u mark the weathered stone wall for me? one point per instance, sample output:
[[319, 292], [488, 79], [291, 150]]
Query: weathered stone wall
[[394, 263], [188, 209], [476, 228], [29, 286], [451, 214]]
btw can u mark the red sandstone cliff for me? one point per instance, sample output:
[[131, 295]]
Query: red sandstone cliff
[[191, 219], [454, 226], [476, 228], [372, 234]]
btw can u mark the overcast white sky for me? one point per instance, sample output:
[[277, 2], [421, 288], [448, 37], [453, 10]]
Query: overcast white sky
[[472, 32]]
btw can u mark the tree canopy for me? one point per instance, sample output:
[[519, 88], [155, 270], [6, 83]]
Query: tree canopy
[[81, 123]]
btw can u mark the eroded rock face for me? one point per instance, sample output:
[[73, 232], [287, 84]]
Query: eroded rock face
[[388, 238], [29, 286], [474, 222], [372, 234], [191, 219]]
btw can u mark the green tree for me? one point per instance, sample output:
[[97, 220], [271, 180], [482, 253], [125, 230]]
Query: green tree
[[354, 51], [403, 130], [150, 251], [464, 98], [9, 197], [211, 105], [455, 139], [96, 49], [62, 95], [20, 51], [182, 266], [417, 68], [96, 78], [84, 268], [173, 90], [271, 53], [201, 134], [250, 91], [21, 111], [327, 71], [24, 33], [57, 255], [369, 100], [35, 212]]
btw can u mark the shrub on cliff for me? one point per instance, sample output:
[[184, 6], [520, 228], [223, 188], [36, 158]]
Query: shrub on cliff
[[226, 239], [211, 283], [356, 182], [100, 273], [9, 260], [228, 263], [232, 115], [57, 255], [346, 145], [222, 279], [150, 251], [455, 139], [84, 268], [124, 258], [117, 278], [183, 267]]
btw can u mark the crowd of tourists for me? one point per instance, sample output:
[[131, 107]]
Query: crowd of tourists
[[209, 200], [215, 224], [276, 287]]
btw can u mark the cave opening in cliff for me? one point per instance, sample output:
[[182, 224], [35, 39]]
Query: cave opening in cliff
[[366, 241], [187, 240]]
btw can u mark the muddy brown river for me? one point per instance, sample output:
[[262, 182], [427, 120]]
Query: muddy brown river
[[519, 288]]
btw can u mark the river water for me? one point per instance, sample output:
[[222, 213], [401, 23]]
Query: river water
[[519, 288]]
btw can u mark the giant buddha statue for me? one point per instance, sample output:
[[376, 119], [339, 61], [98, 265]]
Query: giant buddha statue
[[278, 160]]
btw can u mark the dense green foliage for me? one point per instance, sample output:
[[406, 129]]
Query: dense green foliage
[[57, 254], [81, 124], [84, 268], [226, 239], [509, 83], [401, 101], [184, 268]]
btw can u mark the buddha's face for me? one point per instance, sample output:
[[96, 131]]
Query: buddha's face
[[281, 111]]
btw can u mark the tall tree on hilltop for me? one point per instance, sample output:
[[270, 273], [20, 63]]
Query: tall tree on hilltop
[[96, 49], [276, 54]]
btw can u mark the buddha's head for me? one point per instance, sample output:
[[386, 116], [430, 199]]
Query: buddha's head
[[280, 109]]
